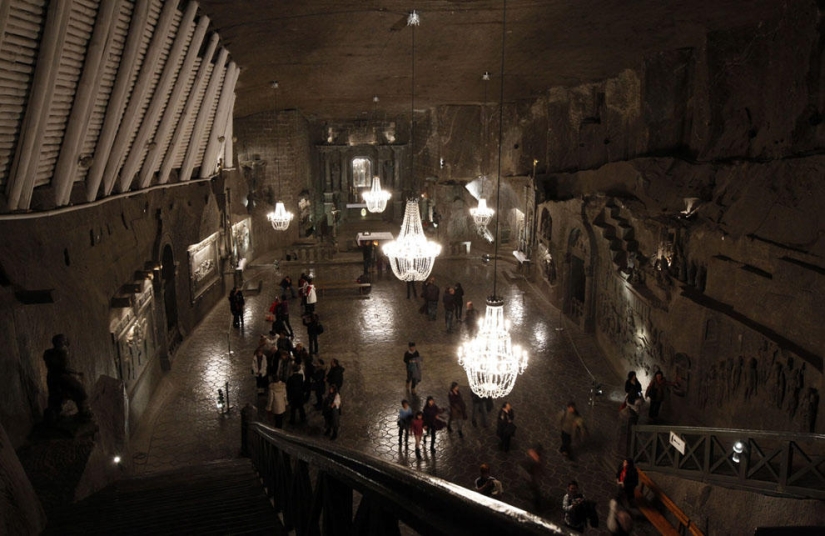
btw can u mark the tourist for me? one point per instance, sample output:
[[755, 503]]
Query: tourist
[[405, 415], [487, 485], [236, 304], [295, 394], [417, 429], [311, 296], [332, 412], [481, 407], [657, 392], [412, 363], [286, 285], [458, 410], [449, 308], [534, 466], [571, 425], [432, 422], [312, 322], [632, 388], [627, 477], [431, 294], [282, 318], [506, 428], [319, 383], [458, 298], [471, 320], [259, 370], [276, 401], [335, 376], [573, 504]]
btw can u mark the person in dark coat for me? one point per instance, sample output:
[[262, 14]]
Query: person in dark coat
[[319, 383], [627, 477], [335, 376], [282, 317], [295, 394], [506, 428], [63, 382], [632, 388], [431, 421], [458, 297], [431, 294], [236, 304], [458, 410], [286, 286], [312, 321], [449, 308]]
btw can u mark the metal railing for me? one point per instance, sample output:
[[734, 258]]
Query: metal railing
[[775, 463], [315, 487]]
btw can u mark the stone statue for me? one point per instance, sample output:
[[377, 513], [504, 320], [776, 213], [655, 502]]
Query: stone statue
[[63, 382], [751, 379], [810, 406]]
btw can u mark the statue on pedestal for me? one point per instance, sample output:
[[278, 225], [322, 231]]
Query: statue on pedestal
[[63, 382]]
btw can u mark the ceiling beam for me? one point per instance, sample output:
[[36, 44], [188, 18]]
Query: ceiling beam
[[167, 121], [33, 130], [140, 91], [176, 144], [218, 129], [117, 98], [98, 50], [160, 99], [203, 116]]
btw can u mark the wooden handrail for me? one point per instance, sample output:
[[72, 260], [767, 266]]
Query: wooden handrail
[[667, 502]]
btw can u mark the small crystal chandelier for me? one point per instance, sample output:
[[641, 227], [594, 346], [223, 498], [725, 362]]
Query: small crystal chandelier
[[376, 198], [491, 361], [280, 218], [411, 255], [482, 214]]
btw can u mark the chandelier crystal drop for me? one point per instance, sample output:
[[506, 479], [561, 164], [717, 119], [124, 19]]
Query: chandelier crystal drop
[[491, 361], [376, 198], [280, 218], [482, 214], [411, 255]]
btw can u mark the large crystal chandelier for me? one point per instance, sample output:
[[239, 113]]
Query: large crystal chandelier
[[280, 217], [491, 360], [411, 255], [376, 198]]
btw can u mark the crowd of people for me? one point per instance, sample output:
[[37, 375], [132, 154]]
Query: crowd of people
[[290, 375]]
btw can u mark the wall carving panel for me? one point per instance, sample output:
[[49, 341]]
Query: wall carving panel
[[203, 266]]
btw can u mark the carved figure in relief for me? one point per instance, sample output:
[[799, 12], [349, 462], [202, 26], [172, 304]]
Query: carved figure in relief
[[721, 384], [778, 384], [751, 378], [737, 373], [810, 406], [795, 384]]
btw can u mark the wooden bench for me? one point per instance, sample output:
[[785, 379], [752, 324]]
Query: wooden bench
[[363, 288], [647, 505]]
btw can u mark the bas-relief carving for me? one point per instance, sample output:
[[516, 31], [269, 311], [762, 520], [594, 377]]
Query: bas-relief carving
[[624, 319], [768, 381], [132, 331], [203, 265], [241, 238]]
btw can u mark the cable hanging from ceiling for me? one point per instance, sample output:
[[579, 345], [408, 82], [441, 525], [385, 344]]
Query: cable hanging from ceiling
[[491, 361]]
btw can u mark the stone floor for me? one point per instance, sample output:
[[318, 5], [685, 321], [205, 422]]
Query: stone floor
[[369, 334]]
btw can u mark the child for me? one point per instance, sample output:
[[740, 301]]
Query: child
[[404, 417], [417, 427]]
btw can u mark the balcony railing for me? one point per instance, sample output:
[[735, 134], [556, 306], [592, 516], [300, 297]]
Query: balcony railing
[[316, 488], [776, 463]]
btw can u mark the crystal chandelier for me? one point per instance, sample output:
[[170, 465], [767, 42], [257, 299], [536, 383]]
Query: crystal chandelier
[[280, 218], [376, 198], [491, 361], [411, 255], [482, 214]]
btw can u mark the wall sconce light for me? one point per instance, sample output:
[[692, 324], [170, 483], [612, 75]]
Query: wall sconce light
[[441, 163], [738, 450]]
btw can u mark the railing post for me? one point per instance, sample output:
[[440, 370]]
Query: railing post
[[785, 465], [248, 414]]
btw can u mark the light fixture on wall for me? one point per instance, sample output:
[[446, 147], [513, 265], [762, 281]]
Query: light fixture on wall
[[376, 198], [490, 360], [279, 218], [411, 255]]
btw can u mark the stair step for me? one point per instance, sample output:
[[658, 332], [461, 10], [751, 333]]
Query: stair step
[[217, 498]]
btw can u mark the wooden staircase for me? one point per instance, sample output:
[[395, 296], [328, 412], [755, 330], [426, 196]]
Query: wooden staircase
[[224, 497]]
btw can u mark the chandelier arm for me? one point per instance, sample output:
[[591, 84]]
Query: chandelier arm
[[500, 142]]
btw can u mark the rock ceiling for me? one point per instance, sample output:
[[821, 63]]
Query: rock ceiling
[[331, 57]]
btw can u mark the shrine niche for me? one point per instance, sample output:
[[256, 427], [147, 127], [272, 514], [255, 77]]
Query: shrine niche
[[241, 239], [203, 266], [132, 328]]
